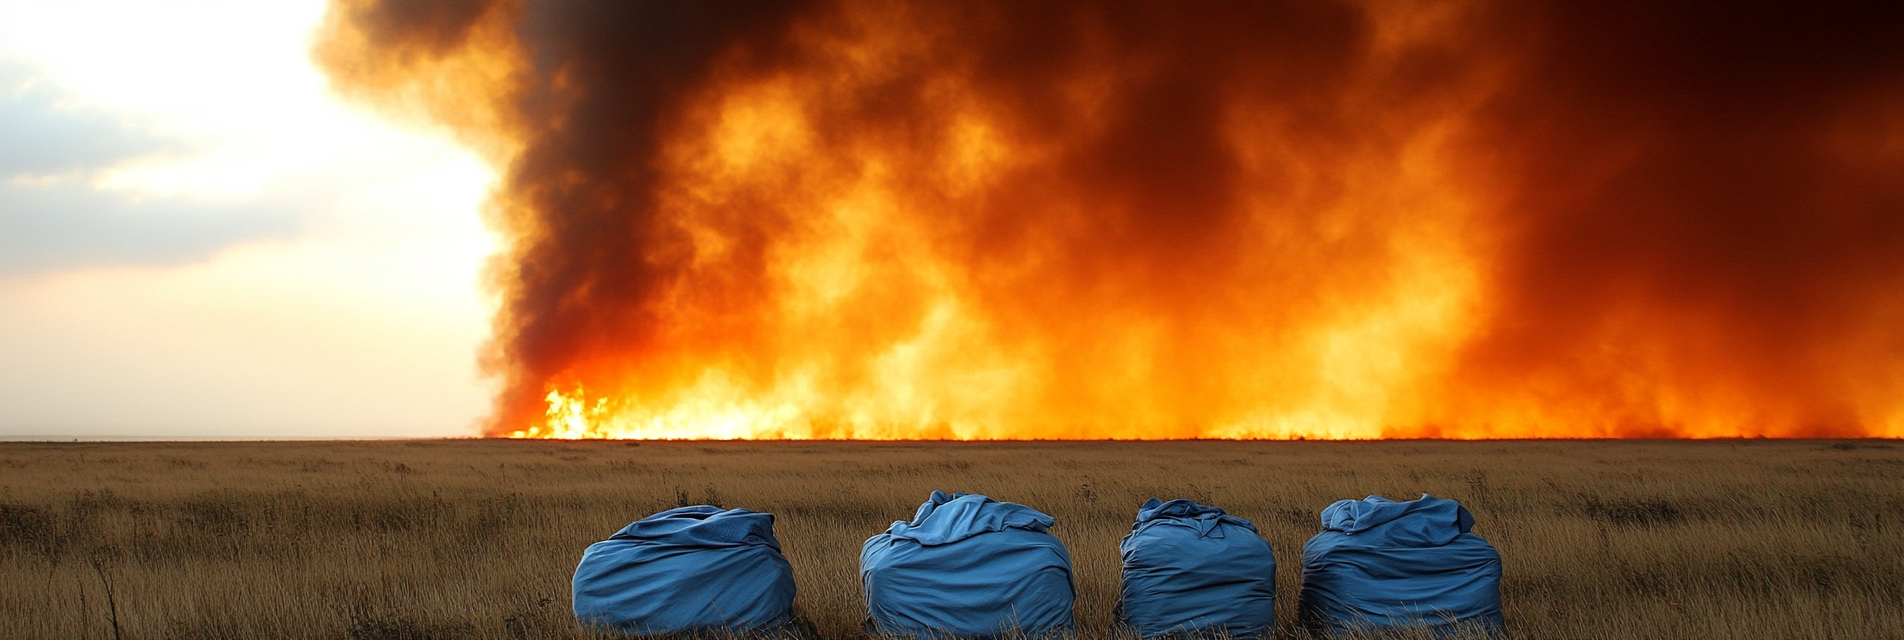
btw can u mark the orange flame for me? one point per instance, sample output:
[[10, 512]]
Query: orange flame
[[1097, 220]]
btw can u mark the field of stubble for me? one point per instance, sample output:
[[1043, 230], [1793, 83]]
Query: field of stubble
[[478, 539]]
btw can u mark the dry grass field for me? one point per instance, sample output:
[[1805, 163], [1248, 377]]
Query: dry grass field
[[477, 539]]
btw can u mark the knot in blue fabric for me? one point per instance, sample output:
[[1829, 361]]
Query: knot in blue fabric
[[703, 526], [1203, 518], [947, 519], [1425, 522]]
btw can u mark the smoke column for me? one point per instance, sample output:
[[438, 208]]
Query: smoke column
[[1337, 219]]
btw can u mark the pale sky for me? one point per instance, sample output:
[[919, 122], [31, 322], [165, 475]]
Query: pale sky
[[198, 239]]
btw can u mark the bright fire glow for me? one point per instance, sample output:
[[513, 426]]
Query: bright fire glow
[[1086, 220]]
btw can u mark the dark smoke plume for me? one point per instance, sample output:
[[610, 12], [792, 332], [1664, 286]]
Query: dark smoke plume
[[1178, 219]]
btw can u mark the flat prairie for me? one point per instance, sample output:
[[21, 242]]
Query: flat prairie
[[479, 538]]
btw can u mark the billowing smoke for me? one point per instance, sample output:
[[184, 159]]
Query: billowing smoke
[[1166, 219]]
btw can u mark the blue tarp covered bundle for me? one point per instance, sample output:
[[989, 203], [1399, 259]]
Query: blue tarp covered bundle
[[1194, 570], [1383, 564], [968, 566], [686, 570]]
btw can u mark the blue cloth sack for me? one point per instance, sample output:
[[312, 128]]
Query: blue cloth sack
[[692, 569], [968, 566], [1383, 564], [1194, 570]]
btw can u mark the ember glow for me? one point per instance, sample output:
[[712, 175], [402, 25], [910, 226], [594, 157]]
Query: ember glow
[[1099, 219]]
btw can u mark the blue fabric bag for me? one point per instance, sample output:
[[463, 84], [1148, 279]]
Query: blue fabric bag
[[692, 569], [968, 566], [1194, 570], [1382, 564]]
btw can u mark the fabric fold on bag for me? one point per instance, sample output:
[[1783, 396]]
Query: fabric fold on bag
[[1192, 569], [1381, 564], [968, 566], [687, 570]]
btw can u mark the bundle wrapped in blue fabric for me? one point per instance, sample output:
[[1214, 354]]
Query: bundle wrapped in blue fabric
[[1194, 570], [1381, 564], [968, 566], [686, 570]]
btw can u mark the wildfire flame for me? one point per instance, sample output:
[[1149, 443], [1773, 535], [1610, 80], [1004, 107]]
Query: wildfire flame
[[1061, 220]]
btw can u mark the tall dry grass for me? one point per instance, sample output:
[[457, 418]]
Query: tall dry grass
[[478, 539]]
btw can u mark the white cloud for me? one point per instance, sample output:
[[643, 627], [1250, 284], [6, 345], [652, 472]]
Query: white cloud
[[55, 215], [199, 240]]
